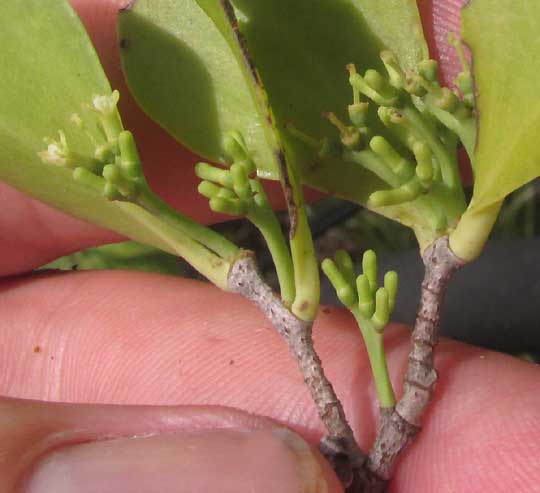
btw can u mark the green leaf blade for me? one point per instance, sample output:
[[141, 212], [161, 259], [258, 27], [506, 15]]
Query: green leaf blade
[[53, 73], [503, 37], [300, 56], [302, 62], [398, 25], [196, 88], [51, 69]]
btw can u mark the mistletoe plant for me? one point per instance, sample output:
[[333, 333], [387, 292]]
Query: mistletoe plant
[[246, 84]]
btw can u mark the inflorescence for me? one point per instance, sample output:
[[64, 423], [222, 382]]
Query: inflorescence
[[372, 307], [236, 190], [413, 153], [115, 169]]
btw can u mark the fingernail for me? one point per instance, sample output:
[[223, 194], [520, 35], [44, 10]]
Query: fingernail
[[268, 460]]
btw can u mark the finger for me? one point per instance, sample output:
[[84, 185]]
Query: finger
[[63, 448], [147, 339], [150, 351], [33, 234]]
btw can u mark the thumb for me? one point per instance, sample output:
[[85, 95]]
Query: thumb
[[65, 448]]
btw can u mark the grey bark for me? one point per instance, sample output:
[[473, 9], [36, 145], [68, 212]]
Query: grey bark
[[400, 427], [339, 446]]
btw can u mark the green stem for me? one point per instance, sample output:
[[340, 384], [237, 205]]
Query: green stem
[[205, 236], [370, 161], [267, 223], [473, 229], [375, 347], [448, 162], [175, 241], [434, 213], [445, 203], [465, 128]]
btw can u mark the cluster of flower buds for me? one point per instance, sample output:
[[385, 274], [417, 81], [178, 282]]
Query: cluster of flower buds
[[424, 122], [373, 305], [115, 168], [235, 190]]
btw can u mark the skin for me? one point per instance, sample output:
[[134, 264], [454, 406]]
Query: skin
[[130, 338]]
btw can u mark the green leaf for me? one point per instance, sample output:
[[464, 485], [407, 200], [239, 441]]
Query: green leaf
[[503, 37], [398, 26], [304, 259], [127, 255], [197, 88], [51, 71]]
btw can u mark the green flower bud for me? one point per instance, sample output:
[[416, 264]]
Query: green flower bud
[[391, 285], [414, 85], [240, 180], [86, 177], [208, 172], [428, 70], [130, 161], [358, 113], [369, 268], [233, 207], [345, 264], [111, 192], [424, 160], [447, 100], [366, 303], [124, 185], [382, 313], [395, 74], [344, 290], [375, 87], [208, 189]]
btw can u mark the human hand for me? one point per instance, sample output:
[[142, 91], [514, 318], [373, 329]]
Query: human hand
[[131, 338]]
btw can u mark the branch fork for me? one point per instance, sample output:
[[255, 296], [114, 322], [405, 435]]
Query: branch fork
[[399, 427]]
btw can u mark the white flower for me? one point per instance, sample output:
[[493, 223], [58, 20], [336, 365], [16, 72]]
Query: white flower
[[57, 151], [106, 105]]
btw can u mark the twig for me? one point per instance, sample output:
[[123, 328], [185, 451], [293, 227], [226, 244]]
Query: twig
[[400, 427], [339, 445]]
